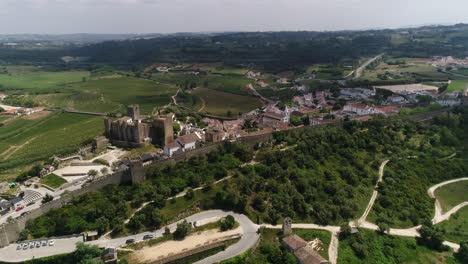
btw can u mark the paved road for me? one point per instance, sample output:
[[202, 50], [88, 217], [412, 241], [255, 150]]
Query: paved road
[[358, 72], [64, 245]]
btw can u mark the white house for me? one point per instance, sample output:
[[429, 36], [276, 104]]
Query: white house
[[358, 109], [396, 99], [182, 143], [172, 148]]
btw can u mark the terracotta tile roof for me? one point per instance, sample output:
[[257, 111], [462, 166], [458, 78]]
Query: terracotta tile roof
[[294, 242], [307, 255]]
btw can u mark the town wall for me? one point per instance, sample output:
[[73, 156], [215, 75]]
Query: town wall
[[9, 232]]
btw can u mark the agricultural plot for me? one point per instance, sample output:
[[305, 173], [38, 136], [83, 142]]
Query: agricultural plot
[[28, 141], [225, 83], [111, 94], [221, 103], [457, 85], [330, 72], [456, 228], [403, 69], [453, 194], [29, 77]]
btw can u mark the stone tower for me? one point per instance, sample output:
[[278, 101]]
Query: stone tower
[[133, 111], [287, 226], [163, 132]]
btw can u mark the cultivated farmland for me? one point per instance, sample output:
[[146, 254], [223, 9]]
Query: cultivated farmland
[[111, 94], [28, 77], [220, 103], [25, 141]]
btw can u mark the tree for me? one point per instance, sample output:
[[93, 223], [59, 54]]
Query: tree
[[104, 170], [462, 254], [227, 223], [93, 173], [182, 230], [167, 231], [431, 236], [24, 234], [190, 194], [85, 252], [345, 230], [47, 198]]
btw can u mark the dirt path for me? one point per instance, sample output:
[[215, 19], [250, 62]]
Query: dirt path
[[203, 106], [374, 194]]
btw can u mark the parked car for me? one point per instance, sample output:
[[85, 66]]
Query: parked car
[[130, 241], [31, 245], [38, 244], [19, 208], [25, 246], [44, 243], [19, 246], [30, 203], [146, 237], [51, 242], [24, 213]]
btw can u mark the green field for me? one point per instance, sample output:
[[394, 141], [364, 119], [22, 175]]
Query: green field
[[452, 195], [457, 85], [369, 247], [226, 83], [413, 68], [29, 77], [219, 103], [23, 142], [456, 228], [111, 94], [53, 181]]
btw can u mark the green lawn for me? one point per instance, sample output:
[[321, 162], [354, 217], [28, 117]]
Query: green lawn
[[456, 227], [453, 194], [370, 247], [311, 234], [111, 94], [29, 77], [457, 85], [219, 103], [53, 181], [25, 141]]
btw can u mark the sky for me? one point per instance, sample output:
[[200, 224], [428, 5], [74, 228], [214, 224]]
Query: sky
[[169, 16]]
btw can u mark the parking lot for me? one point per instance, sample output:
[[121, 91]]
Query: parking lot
[[13, 253]]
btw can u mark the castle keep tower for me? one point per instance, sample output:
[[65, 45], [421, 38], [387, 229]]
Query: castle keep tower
[[133, 111], [287, 226], [131, 131]]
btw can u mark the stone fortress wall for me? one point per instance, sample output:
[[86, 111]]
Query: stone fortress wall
[[9, 232]]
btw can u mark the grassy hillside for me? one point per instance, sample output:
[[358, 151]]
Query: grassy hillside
[[453, 194], [456, 228]]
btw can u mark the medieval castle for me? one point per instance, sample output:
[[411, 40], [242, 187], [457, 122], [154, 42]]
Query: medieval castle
[[132, 131]]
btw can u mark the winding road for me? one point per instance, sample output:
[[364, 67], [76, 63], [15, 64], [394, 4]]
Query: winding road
[[250, 236]]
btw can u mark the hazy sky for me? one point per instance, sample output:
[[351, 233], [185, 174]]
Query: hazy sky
[[166, 16]]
